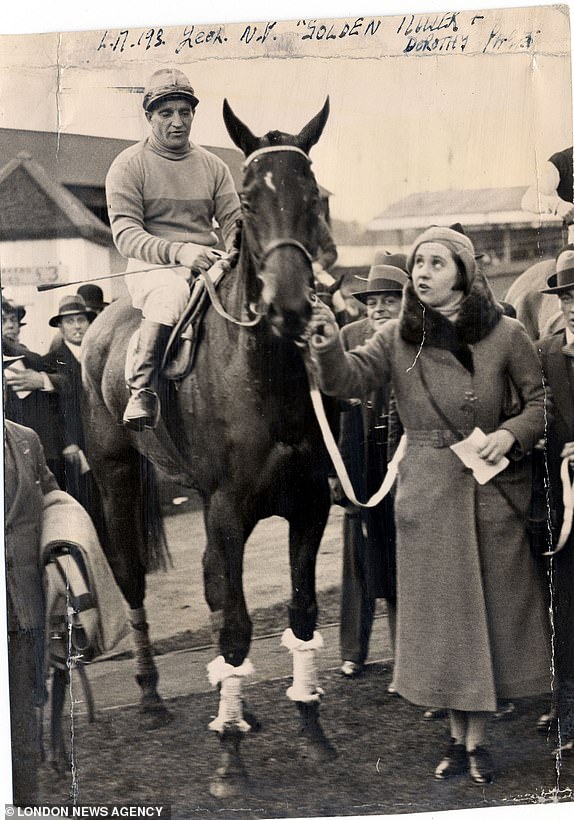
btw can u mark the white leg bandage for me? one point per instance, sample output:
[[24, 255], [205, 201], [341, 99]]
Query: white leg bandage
[[305, 678], [229, 678]]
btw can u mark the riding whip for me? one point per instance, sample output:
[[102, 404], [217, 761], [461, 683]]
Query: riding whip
[[54, 285]]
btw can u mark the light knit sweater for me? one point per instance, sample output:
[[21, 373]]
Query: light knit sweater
[[158, 199]]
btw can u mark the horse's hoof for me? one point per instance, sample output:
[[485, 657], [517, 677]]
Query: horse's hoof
[[317, 749], [224, 789], [229, 784], [252, 719], [230, 778], [153, 712], [313, 744]]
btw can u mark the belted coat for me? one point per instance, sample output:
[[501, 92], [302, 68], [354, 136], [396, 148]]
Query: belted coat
[[472, 625]]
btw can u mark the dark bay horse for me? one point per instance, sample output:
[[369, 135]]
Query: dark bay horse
[[244, 433]]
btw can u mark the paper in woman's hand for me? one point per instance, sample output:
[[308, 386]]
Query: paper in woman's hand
[[467, 451], [11, 372]]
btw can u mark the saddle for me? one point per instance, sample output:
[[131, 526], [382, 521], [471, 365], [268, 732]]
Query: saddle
[[180, 350]]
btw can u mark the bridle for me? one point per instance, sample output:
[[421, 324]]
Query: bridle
[[283, 242], [261, 255]]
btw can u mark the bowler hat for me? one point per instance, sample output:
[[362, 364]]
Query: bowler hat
[[71, 306], [388, 277], [168, 82], [93, 296], [563, 279]]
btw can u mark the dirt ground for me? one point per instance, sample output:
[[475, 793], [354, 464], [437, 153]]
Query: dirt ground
[[386, 753], [386, 758]]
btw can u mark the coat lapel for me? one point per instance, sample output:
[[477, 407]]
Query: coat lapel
[[559, 378]]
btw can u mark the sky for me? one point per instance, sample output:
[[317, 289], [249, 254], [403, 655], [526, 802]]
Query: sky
[[400, 123], [397, 124]]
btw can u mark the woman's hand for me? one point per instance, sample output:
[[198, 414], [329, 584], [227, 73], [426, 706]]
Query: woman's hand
[[497, 444], [322, 326]]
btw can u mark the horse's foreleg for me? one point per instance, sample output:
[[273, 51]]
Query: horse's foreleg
[[305, 533], [223, 576]]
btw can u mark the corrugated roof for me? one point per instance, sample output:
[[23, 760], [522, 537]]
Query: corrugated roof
[[481, 200], [34, 206]]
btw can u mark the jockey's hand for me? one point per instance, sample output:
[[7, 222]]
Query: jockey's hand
[[25, 379], [198, 258], [322, 327], [568, 452], [497, 444]]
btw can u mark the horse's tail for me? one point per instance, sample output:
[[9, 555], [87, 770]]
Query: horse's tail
[[154, 551]]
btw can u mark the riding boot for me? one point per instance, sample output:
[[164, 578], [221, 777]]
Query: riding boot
[[143, 409]]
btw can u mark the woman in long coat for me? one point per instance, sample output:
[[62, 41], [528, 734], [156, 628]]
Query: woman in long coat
[[472, 627]]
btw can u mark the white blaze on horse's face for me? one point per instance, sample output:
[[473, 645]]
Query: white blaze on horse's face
[[269, 181]]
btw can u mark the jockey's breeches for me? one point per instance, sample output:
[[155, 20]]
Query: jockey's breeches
[[160, 294]]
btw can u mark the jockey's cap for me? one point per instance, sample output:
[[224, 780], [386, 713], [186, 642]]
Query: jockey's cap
[[168, 82]]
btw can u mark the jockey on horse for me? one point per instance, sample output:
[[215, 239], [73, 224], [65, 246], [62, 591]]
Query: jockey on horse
[[163, 194]]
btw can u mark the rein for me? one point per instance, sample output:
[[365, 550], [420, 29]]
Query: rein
[[568, 501], [333, 450], [218, 307]]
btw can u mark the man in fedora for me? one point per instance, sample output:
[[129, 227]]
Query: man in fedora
[[93, 296], [163, 196], [557, 356], [63, 363], [368, 430], [12, 318]]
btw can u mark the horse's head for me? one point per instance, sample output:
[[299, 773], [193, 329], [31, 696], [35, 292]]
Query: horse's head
[[280, 203]]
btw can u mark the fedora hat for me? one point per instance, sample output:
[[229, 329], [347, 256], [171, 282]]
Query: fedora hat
[[93, 296], [11, 306], [71, 306], [563, 279], [168, 82], [388, 277]]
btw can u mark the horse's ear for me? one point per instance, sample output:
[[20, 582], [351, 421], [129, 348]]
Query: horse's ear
[[238, 131], [310, 134]]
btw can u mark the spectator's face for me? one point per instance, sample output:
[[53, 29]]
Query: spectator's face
[[171, 123], [10, 325], [381, 307], [434, 274], [567, 308], [73, 328]]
